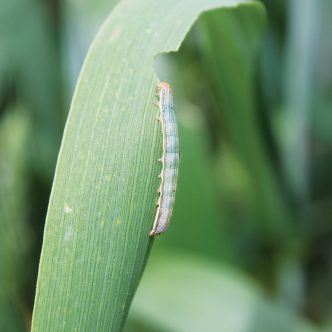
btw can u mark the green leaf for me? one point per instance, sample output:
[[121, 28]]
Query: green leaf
[[304, 47], [102, 204], [15, 236], [183, 293], [29, 70], [231, 68]]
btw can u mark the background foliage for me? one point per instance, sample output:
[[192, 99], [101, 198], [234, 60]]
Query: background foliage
[[250, 242]]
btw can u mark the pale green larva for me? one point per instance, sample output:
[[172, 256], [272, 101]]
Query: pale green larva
[[170, 160]]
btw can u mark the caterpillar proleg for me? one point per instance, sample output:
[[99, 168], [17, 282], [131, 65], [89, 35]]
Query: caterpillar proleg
[[169, 160]]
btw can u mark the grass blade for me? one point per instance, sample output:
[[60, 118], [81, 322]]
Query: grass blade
[[103, 198]]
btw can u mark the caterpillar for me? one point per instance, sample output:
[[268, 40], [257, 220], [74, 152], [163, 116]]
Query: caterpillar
[[169, 160]]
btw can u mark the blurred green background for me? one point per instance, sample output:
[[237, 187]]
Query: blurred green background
[[250, 244]]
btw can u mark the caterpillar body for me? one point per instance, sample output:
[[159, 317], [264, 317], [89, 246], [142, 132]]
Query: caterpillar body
[[169, 160]]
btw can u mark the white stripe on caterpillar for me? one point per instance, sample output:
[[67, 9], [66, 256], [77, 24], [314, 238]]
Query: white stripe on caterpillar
[[170, 160]]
